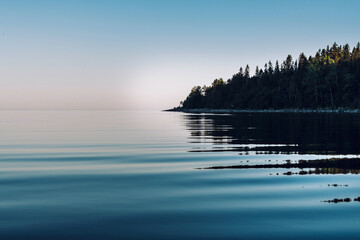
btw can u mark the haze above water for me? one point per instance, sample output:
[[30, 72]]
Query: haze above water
[[135, 175]]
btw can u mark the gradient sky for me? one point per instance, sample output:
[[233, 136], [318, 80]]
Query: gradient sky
[[149, 54]]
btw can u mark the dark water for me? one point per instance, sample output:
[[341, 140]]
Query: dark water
[[133, 175]]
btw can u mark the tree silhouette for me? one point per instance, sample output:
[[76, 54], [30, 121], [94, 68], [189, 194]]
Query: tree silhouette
[[330, 79]]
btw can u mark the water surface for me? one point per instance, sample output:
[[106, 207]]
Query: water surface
[[134, 175]]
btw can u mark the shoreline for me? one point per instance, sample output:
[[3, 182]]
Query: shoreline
[[210, 110]]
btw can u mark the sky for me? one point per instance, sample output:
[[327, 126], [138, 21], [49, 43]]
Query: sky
[[147, 55]]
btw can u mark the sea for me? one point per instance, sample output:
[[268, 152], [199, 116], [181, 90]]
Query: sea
[[99, 174]]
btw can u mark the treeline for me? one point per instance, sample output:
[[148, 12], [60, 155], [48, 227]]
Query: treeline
[[330, 79]]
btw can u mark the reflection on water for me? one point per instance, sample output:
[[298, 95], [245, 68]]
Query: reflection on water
[[282, 134], [323, 171], [320, 166], [133, 175], [276, 133]]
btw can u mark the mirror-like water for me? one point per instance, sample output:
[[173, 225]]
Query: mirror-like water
[[166, 175]]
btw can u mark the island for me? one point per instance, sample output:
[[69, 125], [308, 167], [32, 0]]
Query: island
[[328, 81]]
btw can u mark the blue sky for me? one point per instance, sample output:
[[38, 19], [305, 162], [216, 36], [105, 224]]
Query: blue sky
[[149, 54]]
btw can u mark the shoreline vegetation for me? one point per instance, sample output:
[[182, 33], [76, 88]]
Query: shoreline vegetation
[[224, 111], [326, 82]]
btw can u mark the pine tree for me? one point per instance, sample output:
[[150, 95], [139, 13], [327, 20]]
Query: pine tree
[[271, 70], [302, 61], [247, 71], [257, 71], [241, 72], [346, 53], [277, 68], [330, 79]]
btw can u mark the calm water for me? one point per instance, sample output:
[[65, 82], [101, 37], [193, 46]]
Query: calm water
[[134, 175]]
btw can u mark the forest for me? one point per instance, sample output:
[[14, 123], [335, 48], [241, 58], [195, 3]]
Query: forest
[[328, 80]]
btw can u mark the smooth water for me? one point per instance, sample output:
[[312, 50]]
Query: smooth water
[[135, 175]]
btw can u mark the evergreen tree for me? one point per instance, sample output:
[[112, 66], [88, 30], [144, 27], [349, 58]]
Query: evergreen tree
[[241, 72], [331, 79], [257, 71], [271, 70], [277, 68], [247, 71]]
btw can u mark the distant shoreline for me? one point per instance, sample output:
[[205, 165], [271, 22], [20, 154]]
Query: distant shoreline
[[209, 110]]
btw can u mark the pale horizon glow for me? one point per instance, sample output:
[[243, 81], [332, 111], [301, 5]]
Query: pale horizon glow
[[148, 54]]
